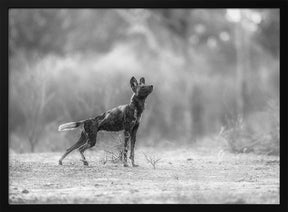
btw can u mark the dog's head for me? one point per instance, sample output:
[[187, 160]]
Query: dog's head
[[140, 90]]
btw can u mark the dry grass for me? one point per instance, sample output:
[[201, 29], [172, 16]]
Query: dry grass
[[242, 136]]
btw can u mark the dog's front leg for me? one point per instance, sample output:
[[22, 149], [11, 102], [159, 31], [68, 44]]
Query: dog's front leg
[[126, 140], [132, 146]]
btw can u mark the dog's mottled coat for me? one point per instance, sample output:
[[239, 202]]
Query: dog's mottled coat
[[124, 117]]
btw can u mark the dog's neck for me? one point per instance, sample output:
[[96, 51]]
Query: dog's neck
[[137, 103]]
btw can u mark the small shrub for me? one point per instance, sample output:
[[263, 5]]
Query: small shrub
[[237, 136], [152, 160], [273, 144], [243, 138]]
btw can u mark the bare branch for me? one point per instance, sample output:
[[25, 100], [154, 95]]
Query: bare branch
[[152, 160]]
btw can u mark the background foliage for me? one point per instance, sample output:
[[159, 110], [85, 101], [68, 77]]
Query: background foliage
[[208, 67]]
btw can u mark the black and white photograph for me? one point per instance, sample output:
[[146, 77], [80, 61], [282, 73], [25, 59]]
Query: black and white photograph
[[144, 106]]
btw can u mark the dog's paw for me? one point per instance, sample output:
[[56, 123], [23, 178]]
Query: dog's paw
[[60, 162], [125, 165], [135, 165], [85, 163]]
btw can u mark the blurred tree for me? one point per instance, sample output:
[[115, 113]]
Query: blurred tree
[[35, 30], [268, 34], [197, 112], [33, 98], [60, 31]]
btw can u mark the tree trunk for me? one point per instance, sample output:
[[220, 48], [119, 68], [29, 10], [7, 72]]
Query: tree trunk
[[242, 66]]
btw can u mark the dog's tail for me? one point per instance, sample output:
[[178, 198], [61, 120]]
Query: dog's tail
[[70, 126]]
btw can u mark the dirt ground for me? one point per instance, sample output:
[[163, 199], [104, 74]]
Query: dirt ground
[[184, 175]]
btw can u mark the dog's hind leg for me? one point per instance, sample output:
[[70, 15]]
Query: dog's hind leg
[[81, 151], [83, 158], [79, 143], [90, 143]]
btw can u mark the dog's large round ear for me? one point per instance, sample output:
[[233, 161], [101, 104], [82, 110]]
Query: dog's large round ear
[[133, 83], [142, 81]]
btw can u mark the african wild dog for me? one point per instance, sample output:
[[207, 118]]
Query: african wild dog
[[124, 117]]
